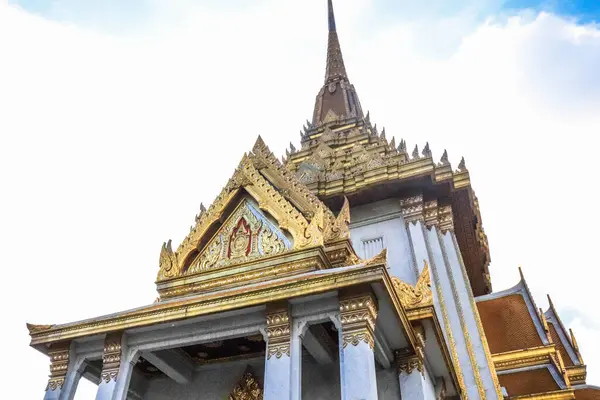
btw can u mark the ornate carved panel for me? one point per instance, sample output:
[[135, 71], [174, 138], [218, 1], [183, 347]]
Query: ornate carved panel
[[111, 358], [246, 235], [358, 314], [59, 363], [247, 388], [278, 332]]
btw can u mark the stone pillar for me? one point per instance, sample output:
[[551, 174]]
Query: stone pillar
[[357, 361], [116, 369], [278, 363], [415, 382]]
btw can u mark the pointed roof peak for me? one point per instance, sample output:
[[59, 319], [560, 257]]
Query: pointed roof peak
[[335, 68], [331, 16]]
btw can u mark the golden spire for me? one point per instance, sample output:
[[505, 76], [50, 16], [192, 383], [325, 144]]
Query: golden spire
[[335, 68], [337, 100]]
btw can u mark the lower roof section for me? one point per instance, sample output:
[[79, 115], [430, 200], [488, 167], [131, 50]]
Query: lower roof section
[[261, 293]]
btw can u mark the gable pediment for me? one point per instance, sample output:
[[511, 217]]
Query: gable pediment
[[263, 212], [246, 235]]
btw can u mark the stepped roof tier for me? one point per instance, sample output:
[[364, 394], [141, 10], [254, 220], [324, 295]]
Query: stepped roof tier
[[342, 154], [533, 353]]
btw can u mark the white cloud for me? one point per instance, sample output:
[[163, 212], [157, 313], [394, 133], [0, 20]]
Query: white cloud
[[109, 143]]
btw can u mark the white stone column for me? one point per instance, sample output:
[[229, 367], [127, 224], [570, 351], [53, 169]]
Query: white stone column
[[470, 315], [358, 379], [117, 367], [65, 372], [278, 361], [415, 382], [299, 328]]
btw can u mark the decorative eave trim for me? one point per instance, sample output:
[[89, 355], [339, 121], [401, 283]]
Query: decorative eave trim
[[280, 289], [577, 374], [285, 264], [525, 358], [567, 394]]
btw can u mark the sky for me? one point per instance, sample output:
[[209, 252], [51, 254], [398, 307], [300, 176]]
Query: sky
[[118, 118]]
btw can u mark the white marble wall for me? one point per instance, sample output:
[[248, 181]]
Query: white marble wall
[[383, 219]]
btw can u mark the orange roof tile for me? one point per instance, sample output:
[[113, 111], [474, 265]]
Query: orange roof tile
[[508, 325], [587, 393], [528, 382], [560, 345]]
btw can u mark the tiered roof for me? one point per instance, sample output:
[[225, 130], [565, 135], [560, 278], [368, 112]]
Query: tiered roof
[[532, 352], [342, 154]]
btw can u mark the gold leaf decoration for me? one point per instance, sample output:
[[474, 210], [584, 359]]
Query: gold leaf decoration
[[339, 227], [418, 296], [247, 388]]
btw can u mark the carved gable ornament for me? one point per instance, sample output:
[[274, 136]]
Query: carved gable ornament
[[415, 296], [273, 213], [246, 235], [247, 388]]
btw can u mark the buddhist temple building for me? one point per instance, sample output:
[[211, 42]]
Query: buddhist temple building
[[351, 268]]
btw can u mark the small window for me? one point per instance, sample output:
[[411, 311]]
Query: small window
[[372, 247]]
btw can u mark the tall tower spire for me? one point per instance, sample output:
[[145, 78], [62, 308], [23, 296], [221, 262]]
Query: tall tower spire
[[337, 99], [335, 68]]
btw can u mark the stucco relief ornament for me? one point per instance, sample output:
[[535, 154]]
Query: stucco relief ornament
[[270, 243], [339, 227], [247, 388], [167, 262], [240, 242], [418, 296]]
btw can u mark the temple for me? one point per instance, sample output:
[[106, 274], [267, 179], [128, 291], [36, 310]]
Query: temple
[[352, 268]]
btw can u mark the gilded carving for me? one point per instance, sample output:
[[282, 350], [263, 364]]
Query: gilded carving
[[380, 258], [242, 238], [412, 209], [407, 362], [446, 220], [247, 388], [430, 213], [38, 328], [418, 296], [357, 315], [283, 269], [59, 364], [111, 357], [339, 227], [278, 333], [270, 243]]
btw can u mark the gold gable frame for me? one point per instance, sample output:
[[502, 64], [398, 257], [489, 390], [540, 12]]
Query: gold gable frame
[[302, 233]]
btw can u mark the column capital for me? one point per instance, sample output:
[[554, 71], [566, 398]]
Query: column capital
[[430, 212], [408, 361], [111, 357], [59, 365], [278, 330], [358, 313]]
